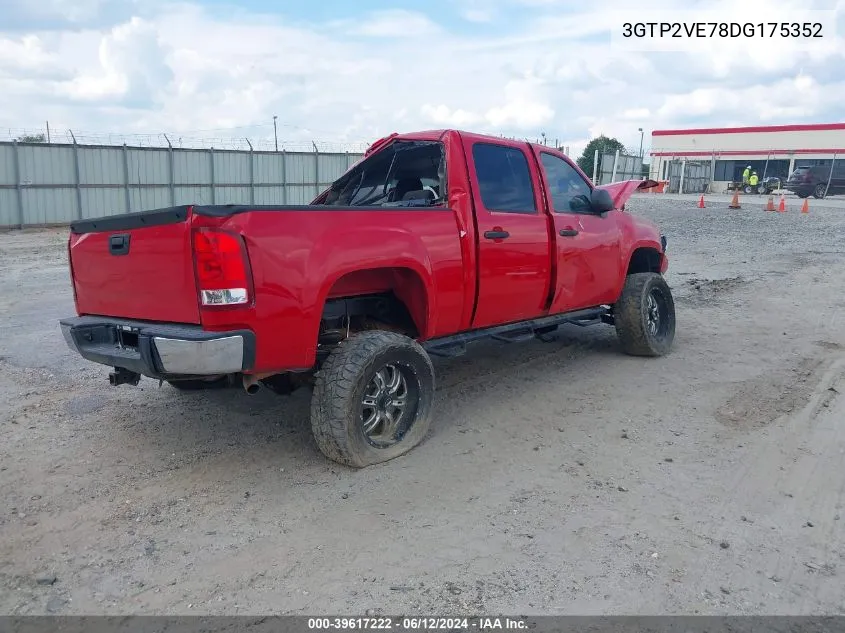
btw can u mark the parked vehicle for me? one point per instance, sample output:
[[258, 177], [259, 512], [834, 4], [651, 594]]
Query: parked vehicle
[[765, 186], [813, 180], [432, 241]]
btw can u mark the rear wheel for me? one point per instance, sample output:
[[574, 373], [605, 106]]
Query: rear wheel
[[820, 190], [644, 315], [372, 398]]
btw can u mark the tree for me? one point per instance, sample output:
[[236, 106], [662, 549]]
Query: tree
[[602, 143], [32, 138]]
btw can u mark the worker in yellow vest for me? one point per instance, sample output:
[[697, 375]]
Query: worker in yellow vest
[[753, 179], [746, 175]]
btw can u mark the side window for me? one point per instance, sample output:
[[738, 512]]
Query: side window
[[504, 180], [569, 192]]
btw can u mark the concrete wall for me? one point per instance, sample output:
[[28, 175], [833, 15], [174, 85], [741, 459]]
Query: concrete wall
[[46, 184]]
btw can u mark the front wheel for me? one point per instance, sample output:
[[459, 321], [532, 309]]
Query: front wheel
[[644, 315], [372, 398]]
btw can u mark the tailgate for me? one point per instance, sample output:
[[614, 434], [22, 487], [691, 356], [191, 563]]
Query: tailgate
[[135, 266]]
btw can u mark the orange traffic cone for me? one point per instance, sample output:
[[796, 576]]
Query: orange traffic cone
[[735, 202], [782, 205], [770, 205], [701, 203], [805, 208]]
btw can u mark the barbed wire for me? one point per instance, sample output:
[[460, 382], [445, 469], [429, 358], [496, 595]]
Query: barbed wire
[[179, 141], [229, 142]]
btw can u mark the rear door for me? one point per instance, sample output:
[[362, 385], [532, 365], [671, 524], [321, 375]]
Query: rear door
[[514, 258], [587, 246], [137, 266]]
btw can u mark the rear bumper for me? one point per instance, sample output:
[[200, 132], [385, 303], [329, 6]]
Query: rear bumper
[[159, 350]]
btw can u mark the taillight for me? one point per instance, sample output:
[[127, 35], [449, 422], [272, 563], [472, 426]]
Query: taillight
[[223, 273], [70, 270]]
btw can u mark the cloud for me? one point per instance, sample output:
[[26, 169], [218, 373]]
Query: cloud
[[797, 98], [131, 66], [523, 108], [513, 67], [393, 23], [442, 115]]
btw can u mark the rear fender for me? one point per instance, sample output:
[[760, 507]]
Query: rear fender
[[400, 249]]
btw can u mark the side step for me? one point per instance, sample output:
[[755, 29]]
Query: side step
[[517, 336], [447, 351], [455, 345]]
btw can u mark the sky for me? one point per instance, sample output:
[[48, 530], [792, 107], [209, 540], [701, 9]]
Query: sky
[[349, 72]]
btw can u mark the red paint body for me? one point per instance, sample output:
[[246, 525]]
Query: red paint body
[[433, 258]]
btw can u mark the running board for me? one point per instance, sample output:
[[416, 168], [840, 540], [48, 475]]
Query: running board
[[455, 345]]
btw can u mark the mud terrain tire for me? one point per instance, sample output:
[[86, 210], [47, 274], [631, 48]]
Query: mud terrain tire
[[372, 398], [644, 315]]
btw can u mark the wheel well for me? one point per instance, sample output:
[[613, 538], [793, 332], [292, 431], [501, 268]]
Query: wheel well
[[644, 260], [394, 298]]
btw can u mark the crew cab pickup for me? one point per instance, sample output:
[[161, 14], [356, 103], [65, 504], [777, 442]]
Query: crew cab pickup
[[431, 241]]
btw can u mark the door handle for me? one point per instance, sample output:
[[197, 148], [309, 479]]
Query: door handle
[[568, 232], [496, 235]]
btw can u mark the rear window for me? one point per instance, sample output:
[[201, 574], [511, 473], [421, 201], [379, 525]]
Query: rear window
[[404, 173]]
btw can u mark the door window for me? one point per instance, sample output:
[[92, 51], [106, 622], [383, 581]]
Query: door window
[[569, 192], [504, 180]]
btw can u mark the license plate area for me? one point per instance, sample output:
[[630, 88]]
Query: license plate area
[[126, 337]]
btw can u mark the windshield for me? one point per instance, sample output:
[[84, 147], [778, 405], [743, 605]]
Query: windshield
[[405, 173]]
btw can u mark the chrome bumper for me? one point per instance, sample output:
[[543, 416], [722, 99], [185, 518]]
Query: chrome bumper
[[159, 350], [215, 356]]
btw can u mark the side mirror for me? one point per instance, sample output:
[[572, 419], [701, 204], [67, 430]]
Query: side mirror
[[601, 201]]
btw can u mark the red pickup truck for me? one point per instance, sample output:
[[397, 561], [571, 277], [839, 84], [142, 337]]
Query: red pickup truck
[[431, 241]]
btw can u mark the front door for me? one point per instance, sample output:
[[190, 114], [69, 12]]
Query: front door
[[513, 233], [587, 245]]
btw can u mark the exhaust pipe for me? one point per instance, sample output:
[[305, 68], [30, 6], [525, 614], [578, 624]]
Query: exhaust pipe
[[251, 381], [251, 385]]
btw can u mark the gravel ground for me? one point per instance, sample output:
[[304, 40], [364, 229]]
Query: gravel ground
[[558, 478]]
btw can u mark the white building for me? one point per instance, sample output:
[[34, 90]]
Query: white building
[[774, 150]]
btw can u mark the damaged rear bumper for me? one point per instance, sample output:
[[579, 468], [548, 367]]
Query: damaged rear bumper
[[159, 350]]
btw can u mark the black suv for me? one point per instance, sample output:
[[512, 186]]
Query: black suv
[[813, 180]]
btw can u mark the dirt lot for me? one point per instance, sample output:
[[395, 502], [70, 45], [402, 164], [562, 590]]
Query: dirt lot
[[559, 478]]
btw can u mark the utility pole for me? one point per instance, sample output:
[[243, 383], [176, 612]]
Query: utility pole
[[48, 131], [640, 130], [275, 133]]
